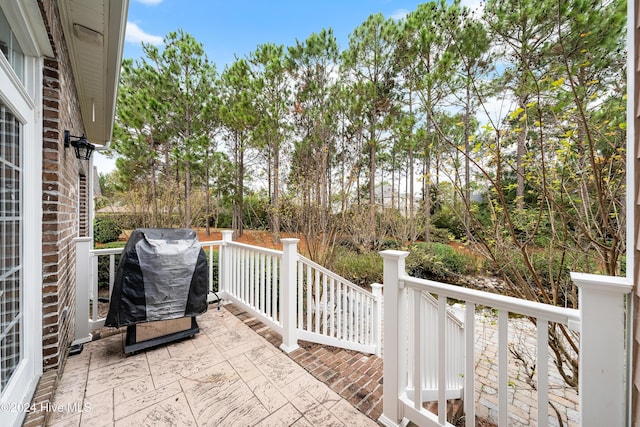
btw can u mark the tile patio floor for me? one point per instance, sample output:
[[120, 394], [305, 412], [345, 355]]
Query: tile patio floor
[[227, 375]]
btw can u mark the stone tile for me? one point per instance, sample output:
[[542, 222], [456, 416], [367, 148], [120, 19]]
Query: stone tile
[[280, 371], [201, 340], [318, 391], [283, 417], [157, 354], [132, 389], [111, 376], [302, 422], [77, 362], [219, 397], [140, 402], [99, 410], [349, 415], [267, 393], [170, 412], [184, 366], [66, 403], [72, 421], [320, 416], [245, 368], [107, 351], [74, 378], [302, 400], [181, 347]]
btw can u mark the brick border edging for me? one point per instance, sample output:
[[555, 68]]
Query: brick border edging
[[356, 377], [42, 398]]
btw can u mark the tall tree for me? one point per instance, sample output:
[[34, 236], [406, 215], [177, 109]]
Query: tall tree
[[428, 45], [312, 66], [239, 116], [187, 71], [369, 60], [269, 72]]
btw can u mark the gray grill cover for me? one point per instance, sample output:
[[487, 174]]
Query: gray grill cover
[[162, 274]]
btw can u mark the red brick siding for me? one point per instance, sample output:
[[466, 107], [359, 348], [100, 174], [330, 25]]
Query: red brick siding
[[60, 198]]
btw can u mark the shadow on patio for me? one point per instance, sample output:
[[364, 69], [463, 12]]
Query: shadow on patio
[[225, 375]]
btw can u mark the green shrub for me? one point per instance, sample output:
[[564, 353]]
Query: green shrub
[[447, 219], [434, 261], [440, 235], [106, 229], [361, 269]]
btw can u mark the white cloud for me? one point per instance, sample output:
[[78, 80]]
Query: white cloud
[[150, 2], [399, 14], [136, 35]]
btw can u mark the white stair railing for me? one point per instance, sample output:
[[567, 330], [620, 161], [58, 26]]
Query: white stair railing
[[600, 322]]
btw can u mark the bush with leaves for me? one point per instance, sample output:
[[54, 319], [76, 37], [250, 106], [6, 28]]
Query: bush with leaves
[[434, 261], [361, 269], [106, 229]]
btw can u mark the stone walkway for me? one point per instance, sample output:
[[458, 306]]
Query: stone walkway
[[226, 375]]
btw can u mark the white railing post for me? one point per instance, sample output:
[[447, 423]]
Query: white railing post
[[224, 272], [376, 289], [83, 281], [603, 381], [395, 340], [288, 285]]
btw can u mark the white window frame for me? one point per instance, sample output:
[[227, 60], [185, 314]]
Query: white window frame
[[24, 99]]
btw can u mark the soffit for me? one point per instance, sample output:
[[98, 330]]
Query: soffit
[[94, 31]]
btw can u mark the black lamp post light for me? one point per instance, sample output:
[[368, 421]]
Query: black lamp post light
[[82, 146]]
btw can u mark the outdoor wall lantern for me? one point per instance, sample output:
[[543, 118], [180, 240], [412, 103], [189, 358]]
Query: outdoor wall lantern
[[82, 147]]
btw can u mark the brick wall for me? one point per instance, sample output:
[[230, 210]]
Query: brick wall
[[60, 198]]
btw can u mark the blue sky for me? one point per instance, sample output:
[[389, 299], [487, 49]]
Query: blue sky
[[236, 27], [227, 27]]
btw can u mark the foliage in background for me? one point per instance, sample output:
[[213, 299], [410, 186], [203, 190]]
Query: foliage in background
[[106, 229], [435, 261], [397, 138]]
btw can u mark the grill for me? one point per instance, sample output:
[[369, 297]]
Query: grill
[[160, 287]]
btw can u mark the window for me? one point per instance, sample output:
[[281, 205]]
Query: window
[[10, 244], [10, 47]]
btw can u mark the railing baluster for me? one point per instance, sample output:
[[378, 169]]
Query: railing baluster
[[469, 362], [417, 347], [309, 298], [268, 260], [503, 379], [542, 372], [300, 297], [316, 300], [340, 311], [324, 304], [332, 312], [263, 260], [275, 291], [442, 359]]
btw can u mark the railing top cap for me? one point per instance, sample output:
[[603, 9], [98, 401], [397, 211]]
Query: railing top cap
[[392, 254], [599, 282], [290, 240]]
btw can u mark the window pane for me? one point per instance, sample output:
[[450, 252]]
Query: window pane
[[10, 48], [10, 245]]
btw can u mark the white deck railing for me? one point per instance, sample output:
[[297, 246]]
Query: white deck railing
[[297, 298], [600, 322]]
